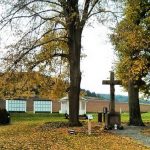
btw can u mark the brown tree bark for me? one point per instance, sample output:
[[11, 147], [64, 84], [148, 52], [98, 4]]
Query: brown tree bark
[[75, 78], [74, 44], [134, 106]]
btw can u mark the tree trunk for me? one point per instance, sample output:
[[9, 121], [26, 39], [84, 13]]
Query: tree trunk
[[134, 106], [74, 43], [74, 29]]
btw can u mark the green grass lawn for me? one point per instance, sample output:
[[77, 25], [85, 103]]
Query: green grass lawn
[[125, 117], [145, 117], [37, 117], [47, 117]]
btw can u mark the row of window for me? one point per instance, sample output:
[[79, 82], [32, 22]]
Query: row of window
[[18, 105]]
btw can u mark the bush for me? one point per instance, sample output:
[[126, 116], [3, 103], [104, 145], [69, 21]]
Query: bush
[[4, 116]]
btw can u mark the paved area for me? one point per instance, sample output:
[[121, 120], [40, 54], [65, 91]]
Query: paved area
[[135, 133]]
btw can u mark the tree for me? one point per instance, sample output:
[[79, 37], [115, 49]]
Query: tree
[[30, 84], [132, 42], [53, 16]]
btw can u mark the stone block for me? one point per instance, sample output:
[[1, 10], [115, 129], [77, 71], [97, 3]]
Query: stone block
[[112, 119]]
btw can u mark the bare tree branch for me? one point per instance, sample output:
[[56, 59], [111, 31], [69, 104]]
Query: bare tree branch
[[104, 11], [35, 45], [22, 6], [36, 63], [92, 7], [85, 12]]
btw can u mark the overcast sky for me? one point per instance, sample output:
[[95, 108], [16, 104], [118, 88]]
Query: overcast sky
[[99, 61]]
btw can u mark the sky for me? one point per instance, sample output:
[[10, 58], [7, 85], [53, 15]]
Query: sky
[[99, 60]]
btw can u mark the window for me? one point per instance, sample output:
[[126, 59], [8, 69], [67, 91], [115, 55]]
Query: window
[[42, 106], [16, 105]]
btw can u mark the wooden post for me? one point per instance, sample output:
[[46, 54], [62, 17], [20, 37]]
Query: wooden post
[[90, 117], [89, 126]]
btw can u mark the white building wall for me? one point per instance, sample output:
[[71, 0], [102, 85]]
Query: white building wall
[[82, 109], [65, 107]]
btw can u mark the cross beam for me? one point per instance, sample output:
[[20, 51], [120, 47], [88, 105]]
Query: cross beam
[[112, 84]]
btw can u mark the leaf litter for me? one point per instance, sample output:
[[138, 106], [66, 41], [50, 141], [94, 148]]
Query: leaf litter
[[55, 136]]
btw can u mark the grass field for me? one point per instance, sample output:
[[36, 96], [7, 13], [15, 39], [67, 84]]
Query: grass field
[[29, 131], [125, 117], [38, 117], [45, 117], [145, 117]]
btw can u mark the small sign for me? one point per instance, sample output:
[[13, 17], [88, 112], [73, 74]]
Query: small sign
[[90, 117], [71, 131]]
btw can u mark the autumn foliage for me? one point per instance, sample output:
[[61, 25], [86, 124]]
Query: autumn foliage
[[30, 84], [132, 41]]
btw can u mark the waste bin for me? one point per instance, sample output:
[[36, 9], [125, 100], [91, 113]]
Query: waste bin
[[100, 117]]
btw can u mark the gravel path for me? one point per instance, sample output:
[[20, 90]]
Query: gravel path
[[135, 133]]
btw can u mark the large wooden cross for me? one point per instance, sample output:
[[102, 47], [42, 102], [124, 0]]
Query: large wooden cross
[[112, 84]]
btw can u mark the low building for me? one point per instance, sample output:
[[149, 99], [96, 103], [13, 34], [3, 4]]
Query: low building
[[35, 104], [65, 106]]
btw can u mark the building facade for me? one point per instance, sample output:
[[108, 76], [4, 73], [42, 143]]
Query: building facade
[[93, 105]]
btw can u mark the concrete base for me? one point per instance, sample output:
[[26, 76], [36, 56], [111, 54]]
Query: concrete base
[[112, 119]]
